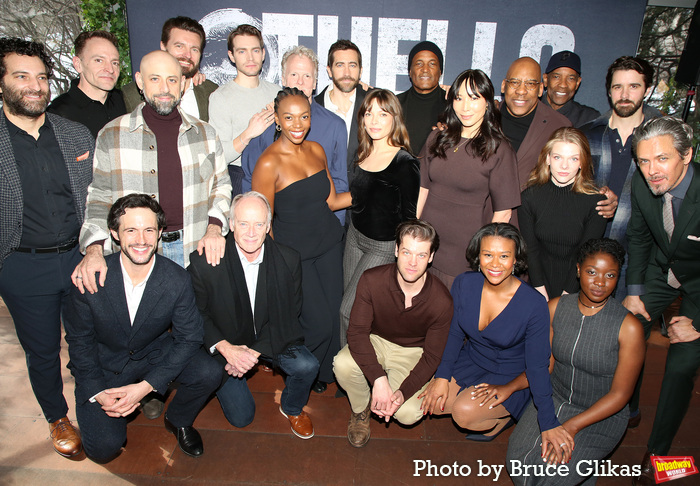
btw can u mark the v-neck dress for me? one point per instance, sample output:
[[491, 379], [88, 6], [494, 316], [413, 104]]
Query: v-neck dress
[[516, 340]]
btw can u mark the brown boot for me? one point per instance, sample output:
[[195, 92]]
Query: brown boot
[[358, 428], [646, 478]]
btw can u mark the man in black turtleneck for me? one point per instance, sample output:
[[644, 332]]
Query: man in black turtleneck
[[424, 102]]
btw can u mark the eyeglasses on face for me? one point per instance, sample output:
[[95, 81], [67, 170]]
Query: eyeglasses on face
[[530, 84]]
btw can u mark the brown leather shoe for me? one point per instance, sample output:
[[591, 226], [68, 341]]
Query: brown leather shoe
[[646, 478], [301, 424], [65, 437], [358, 428]]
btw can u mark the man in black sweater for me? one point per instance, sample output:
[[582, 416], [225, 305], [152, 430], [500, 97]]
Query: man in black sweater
[[424, 102]]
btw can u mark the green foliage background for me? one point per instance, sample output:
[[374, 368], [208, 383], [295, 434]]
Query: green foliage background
[[110, 15]]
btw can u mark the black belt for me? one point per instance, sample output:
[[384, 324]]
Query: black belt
[[170, 236], [56, 249]]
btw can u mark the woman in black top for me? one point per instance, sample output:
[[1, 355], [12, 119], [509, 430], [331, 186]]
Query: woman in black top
[[558, 212], [384, 192]]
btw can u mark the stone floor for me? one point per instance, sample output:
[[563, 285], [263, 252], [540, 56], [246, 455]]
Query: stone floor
[[266, 452]]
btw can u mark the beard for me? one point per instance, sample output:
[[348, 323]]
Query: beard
[[163, 108], [143, 260], [19, 106], [346, 84], [188, 73], [627, 110]]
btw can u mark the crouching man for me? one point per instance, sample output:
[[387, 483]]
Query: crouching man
[[251, 305], [398, 330], [136, 335]]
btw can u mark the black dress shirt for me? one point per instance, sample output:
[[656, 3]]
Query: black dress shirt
[[77, 106], [48, 218]]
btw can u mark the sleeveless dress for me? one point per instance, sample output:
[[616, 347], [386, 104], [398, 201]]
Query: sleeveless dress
[[304, 222], [586, 350]]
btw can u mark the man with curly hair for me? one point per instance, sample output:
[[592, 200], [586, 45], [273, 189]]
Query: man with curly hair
[[45, 169]]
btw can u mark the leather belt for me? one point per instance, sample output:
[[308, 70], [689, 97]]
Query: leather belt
[[170, 236], [55, 249]]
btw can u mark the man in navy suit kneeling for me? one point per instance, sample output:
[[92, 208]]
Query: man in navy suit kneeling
[[136, 335]]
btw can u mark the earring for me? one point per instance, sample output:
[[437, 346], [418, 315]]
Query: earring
[[513, 271], [478, 267], [278, 128]]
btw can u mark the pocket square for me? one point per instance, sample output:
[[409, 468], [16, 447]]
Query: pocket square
[[694, 238], [80, 158]]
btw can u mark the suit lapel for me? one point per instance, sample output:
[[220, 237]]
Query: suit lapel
[[151, 295], [687, 212], [240, 292], [261, 292], [114, 287]]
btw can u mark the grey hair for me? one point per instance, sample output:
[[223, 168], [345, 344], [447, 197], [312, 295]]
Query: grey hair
[[680, 132], [302, 51], [250, 195]]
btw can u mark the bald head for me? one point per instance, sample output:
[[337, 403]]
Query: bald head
[[522, 86], [161, 80]]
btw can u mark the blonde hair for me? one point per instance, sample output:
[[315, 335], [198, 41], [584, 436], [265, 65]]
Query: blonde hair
[[583, 181]]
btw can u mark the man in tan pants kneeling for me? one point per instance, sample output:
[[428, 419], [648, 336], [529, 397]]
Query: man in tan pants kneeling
[[398, 330]]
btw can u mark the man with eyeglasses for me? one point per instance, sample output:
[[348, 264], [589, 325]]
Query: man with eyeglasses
[[527, 122]]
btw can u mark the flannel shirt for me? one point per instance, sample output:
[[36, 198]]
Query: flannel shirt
[[126, 161]]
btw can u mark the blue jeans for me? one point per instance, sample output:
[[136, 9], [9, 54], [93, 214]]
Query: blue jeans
[[174, 250], [300, 369]]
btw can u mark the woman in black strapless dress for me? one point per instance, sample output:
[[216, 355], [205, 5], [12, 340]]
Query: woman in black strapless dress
[[293, 175]]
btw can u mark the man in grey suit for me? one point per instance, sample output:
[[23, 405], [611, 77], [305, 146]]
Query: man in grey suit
[[135, 336], [664, 263], [45, 169]]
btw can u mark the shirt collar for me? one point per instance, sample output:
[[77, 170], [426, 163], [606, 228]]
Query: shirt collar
[[14, 129], [244, 260], [127, 279], [328, 102], [681, 189]]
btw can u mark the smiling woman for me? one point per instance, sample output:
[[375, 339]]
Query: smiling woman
[[468, 172], [292, 174], [499, 333]]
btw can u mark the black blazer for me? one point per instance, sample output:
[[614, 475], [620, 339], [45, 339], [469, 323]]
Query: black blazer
[[78, 148], [222, 297], [102, 343]]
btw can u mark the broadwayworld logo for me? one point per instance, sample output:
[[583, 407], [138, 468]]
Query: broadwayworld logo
[[667, 468]]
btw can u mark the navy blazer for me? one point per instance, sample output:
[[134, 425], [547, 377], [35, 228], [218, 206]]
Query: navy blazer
[[77, 146], [102, 343]]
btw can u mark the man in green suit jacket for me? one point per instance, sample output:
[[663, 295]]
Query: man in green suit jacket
[[664, 263]]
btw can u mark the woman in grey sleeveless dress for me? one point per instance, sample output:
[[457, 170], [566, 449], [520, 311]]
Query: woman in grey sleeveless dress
[[598, 351]]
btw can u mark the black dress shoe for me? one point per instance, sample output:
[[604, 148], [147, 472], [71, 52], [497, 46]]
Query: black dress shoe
[[188, 439], [646, 478], [319, 387]]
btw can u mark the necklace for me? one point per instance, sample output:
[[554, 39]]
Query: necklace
[[463, 143], [593, 306]]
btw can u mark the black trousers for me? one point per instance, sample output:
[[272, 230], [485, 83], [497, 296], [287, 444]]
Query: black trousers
[[35, 287], [682, 364], [103, 436]]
